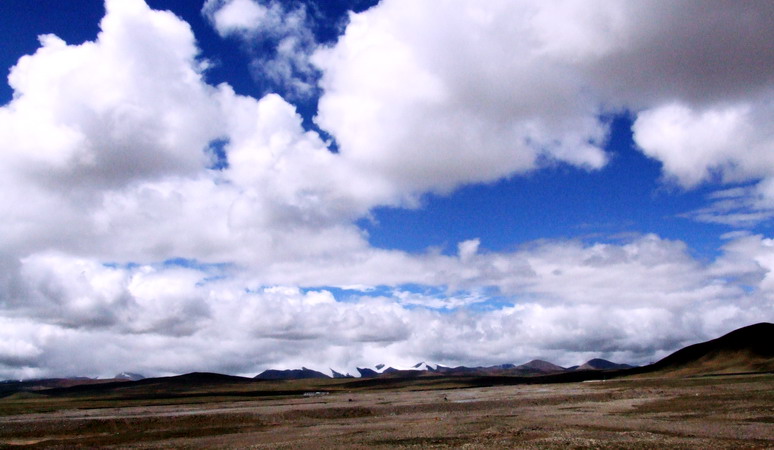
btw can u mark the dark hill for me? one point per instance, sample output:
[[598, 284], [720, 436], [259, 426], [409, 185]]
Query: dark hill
[[540, 367], [163, 387], [290, 374], [9, 387], [340, 375], [367, 373], [601, 364], [203, 378], [748, 349]]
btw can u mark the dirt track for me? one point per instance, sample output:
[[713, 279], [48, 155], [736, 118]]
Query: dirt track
[[728, 412]]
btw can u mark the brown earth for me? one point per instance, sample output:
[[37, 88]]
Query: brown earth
[[708, 412]]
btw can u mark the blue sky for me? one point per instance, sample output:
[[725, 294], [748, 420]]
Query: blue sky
[[393, 182], [627, 197]]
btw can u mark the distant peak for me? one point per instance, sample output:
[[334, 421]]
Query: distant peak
[[129, 376], [542, 366]]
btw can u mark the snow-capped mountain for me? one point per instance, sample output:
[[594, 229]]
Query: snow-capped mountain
[[532, 368], [129, 376]]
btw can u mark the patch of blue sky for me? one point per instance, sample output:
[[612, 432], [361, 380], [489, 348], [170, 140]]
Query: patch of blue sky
[[352, 294], [196, 265], [124, 266], [413, 296], [213, 279], [748, 289], [489, 298], [217, 153], [627, 196], [495, 303], [214, 271]]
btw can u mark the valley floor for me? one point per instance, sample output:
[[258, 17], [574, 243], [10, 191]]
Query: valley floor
[[710, 412]]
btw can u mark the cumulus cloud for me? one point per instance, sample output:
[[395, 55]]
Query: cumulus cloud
[[83, 115], [115, 163], [88, 118], [730, 143], [108, 179], [432, 96], [432, 103], [722, 143]]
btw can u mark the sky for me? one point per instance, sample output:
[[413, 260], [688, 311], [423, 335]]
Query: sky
[[237, 185]]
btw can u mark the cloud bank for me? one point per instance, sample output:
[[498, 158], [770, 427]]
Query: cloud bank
[[127, 232]]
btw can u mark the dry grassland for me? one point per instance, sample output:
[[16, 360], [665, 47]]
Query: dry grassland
[[712, 412]]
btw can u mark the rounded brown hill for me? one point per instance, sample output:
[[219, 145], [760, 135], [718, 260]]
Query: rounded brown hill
[[748, 349]]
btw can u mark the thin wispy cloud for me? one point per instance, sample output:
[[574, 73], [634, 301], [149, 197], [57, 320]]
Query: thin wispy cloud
[[278, 38]]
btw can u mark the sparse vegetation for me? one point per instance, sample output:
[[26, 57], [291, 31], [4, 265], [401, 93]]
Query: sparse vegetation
[[710, 412]]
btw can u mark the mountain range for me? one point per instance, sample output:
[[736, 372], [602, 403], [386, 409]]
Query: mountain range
[[535, 367]]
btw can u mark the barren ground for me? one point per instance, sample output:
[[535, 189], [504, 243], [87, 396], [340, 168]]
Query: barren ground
[[712, 412]]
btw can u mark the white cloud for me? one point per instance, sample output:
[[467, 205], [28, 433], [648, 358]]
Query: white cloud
[[731, 143], [113, 162], [633, 301], [468, 249], [235, 16], [740, 207], [89, 118], [434, 95], [70, 292], [749, 260], [82, 114]]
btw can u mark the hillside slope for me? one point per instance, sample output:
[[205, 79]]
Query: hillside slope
[[748, 349]]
